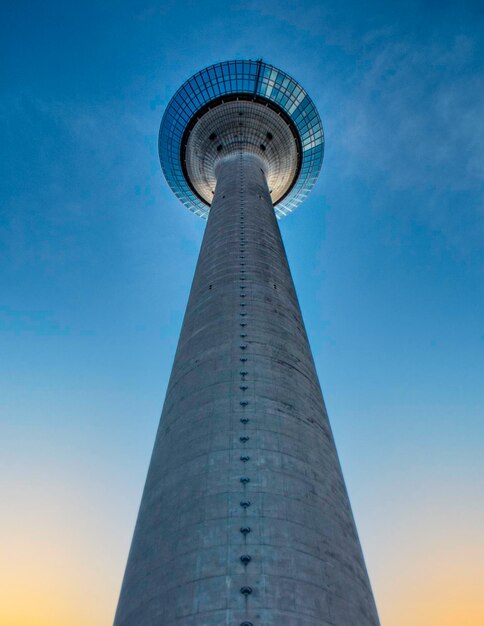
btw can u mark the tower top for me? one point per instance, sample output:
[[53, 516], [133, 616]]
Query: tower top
[[234, 107]]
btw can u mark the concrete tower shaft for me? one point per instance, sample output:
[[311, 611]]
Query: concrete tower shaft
[[245, 519]]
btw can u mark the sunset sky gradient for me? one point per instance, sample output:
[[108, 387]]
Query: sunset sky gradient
[[97, 257]]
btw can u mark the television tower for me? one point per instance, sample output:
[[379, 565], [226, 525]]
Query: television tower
[[245, 519]]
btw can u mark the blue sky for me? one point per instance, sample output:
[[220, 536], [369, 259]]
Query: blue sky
[[97, 256]]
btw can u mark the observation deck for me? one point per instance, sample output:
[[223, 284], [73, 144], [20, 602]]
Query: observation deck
[[234, 107]]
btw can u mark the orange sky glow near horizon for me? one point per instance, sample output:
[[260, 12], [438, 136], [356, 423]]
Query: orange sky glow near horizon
[[61, 569]]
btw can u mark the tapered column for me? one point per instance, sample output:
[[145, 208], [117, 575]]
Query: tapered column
[[245, 517]]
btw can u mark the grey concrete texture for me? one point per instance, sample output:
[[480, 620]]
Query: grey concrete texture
[[244, 463]]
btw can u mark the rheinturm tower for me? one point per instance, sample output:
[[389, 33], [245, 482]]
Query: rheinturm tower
[[245, 519]]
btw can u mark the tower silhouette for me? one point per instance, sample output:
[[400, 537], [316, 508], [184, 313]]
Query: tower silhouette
[[245, 519]]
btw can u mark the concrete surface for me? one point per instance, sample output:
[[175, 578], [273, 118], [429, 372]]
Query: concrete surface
[[244, 402]]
